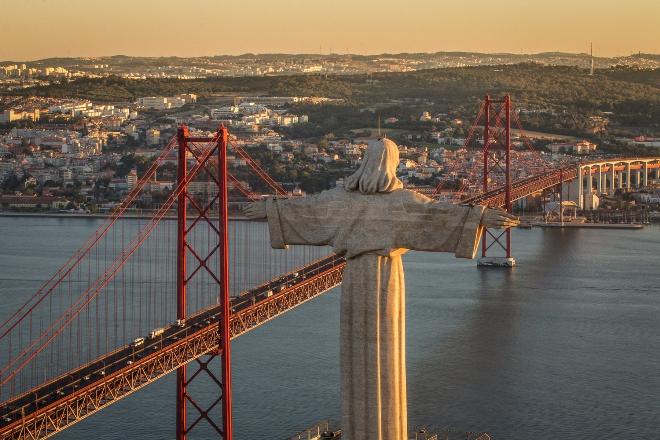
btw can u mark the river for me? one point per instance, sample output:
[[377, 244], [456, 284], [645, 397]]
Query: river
[[564, 346]]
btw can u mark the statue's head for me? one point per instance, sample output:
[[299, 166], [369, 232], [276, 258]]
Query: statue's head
[[377, 173]]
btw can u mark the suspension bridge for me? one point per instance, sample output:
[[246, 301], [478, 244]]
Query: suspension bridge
[[145, 297]]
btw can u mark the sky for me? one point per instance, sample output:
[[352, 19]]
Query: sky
[[34, 29]]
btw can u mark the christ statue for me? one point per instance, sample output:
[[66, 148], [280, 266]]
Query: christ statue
[[372, 221]]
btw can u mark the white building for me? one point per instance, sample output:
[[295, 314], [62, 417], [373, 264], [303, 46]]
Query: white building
[[166, 102], [225, 112], [11, 115], [580, 147], [591, 201], [153, 136], [67, 175], [131, 180], [153, 102]]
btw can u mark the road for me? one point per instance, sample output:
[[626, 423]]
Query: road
[[95, 371]]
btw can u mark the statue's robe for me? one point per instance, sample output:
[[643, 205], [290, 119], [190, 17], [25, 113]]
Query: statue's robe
[[372, 231]]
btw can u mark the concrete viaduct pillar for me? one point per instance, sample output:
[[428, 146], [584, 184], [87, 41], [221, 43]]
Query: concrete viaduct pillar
[[579, 194], [628, 175], [599, 182], [645, 181], [611, 189]]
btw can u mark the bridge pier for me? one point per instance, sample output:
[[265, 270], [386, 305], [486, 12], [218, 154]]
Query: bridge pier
[[570, 191], [606, 177], [576, 189], [645, 182], [496, 262]]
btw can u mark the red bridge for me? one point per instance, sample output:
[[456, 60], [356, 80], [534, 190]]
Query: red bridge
[[142, 298]]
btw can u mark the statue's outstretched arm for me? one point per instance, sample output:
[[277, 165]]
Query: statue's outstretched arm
[[498, 219], [255, 210]]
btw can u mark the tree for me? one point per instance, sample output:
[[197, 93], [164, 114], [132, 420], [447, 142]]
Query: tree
[[12, 183]]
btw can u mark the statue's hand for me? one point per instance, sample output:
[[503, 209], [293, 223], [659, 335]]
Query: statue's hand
[[498, 219], [255, 210]]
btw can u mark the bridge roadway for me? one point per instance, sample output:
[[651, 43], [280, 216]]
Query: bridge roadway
[[58, 404], [524, 187]]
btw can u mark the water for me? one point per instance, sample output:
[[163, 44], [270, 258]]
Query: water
[[566, 345]]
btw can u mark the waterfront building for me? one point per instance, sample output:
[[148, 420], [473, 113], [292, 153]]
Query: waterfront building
[[131, 179]]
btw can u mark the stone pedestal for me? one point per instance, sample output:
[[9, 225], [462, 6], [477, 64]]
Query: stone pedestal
[[496, 262]]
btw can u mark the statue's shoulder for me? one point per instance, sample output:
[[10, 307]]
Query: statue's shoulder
[[337, 193], [409, 195]]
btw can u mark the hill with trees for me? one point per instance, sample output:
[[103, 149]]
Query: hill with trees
[[630, 97]]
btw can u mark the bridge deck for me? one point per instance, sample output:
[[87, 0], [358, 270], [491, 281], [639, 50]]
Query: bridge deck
[[54, 406], [525, 187]]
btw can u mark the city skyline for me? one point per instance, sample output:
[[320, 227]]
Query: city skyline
[[121, 27]]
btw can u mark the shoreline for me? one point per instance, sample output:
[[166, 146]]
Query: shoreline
[[568, 225], [102, 216], [531, 220]]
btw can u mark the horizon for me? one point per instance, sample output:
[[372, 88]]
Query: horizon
[[76, 29], [237, 55]]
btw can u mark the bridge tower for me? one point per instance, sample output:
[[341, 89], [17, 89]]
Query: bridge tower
[[497, 167], [213, 169]]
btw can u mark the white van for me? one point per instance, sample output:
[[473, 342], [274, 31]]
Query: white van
[[156, 332], [137, 342]]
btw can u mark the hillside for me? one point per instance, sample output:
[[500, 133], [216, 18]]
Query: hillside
[[633, 96]]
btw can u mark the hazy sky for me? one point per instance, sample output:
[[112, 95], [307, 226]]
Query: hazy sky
[[31, 29]]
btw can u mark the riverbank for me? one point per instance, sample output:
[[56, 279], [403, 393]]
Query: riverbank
[[133, 216], [566, 225]]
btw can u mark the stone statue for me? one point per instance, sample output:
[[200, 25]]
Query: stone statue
[[372, 221]]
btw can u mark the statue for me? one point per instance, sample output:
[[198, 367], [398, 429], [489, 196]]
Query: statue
[[373, 221]]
